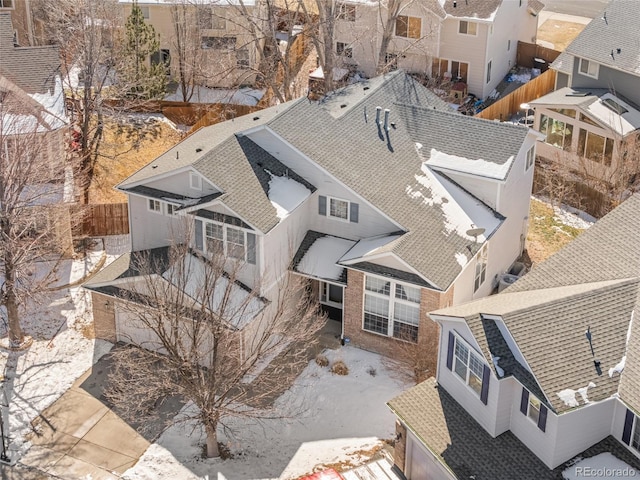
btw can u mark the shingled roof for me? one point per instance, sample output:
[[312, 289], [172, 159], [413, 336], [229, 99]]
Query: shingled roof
[[339, 133], [591, 284], [33, 69], [478, 9], [615, 28]]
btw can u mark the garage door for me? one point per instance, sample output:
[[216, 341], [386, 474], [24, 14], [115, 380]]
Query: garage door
[[129, 329]]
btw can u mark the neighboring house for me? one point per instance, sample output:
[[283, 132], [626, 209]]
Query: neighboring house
[[32, 106], [474, 41], [217, 38], [591, 121], [532, 377], [389, 204], [23, 27]]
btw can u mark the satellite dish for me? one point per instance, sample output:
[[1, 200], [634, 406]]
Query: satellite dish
[[475, 232]]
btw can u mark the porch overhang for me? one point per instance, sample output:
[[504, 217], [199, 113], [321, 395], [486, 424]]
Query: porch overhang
[[318, 256]]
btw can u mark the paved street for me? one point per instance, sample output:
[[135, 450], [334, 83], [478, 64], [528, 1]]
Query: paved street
[[583, 8]]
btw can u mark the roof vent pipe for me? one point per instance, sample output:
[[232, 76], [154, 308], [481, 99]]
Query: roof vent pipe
[[386, 119], [378, 110]]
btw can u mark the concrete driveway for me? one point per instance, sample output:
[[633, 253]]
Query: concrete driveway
[[79, 437]]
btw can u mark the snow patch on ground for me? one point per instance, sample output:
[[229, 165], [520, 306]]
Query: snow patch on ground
[[332, 428], [567, 215]]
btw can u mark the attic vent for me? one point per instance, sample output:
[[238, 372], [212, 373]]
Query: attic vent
[[154, 166], [578, 94], [343, 105], [256, 118], [198, 150], [366, 88]]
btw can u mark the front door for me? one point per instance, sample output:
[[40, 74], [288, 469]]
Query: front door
[[331, 300]]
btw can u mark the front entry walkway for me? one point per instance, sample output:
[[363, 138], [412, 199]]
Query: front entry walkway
[[79, 437]]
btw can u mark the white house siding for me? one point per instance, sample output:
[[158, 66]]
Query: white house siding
[[578, 429], [485, 415], [509, 24], [466, 48], [484, 189], [617, 425], [463, 291], [180, 184], [510, 391], [421, 463], [150, 229]]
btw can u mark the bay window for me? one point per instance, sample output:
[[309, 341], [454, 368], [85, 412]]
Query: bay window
[[218, 238]]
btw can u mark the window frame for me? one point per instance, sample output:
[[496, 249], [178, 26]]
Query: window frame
[[229, 247], [330, 200], [154, 205], [468, 23], [11, 6], [170, 209], [197, 185], [489, 64], [531, 407], [344, 49], [634, 440], [204, 17], [588, 63], [146, 13], [347, 12], [544, 124], [471, 354], [409, 29], [480, 275], [608, 145], [530, 158], [394, 324]]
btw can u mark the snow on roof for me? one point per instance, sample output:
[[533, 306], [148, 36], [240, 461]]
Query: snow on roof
[[322, 257], [368, 246], [568, 395], [478, 166], [338, 73], [604, 466], [285, 194], [624, 122], [53, 102], [222, 3], [235, 96], [462, 212], [239, 309]]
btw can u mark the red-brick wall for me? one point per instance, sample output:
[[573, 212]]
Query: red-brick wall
[[427, 330]]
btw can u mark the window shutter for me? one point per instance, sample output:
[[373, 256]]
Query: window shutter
[[354, 213], [322, 205], [251, 248], [524, 401], [542, 419], [484, 393], [452, 341], [628, 424], [199, 245]]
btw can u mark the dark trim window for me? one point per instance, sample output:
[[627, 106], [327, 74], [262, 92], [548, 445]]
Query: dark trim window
[[467, 28], [534, 409], [468, 365], [337, 208], [391, 308], [408, 27]]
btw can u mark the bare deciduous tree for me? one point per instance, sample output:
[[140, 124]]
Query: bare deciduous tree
[[34, 225], [206, 336]]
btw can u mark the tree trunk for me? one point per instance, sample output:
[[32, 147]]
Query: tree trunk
[[212, 440], [16, 336]]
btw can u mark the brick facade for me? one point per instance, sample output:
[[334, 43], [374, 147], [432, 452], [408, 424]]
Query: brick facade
[[400, 447], [104, 317], [427, 330]]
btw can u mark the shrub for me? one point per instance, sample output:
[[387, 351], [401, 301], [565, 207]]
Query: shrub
[[340, 368], [322, 360]]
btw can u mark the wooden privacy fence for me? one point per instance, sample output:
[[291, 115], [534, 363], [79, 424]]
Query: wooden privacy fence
[[98, 220], [528, 52], [504, 108]]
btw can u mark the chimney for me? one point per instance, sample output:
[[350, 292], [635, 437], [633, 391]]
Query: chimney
[[378, 110], [386, 119]]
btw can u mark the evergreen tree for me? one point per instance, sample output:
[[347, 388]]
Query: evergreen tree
[[142, 80]]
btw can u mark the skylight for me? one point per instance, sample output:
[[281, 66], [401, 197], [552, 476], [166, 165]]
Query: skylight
[[615, 106]]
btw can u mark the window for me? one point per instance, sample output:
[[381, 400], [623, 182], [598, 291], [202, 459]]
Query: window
[[611, 104], [569, 112], [344, 49], [559, 134], [242, 58], [204, 17], [391, 308], [439, 67], [218, 23], [145, 12], [171, 209], [635, 440], [481, 267], [226, 240], [154, 205], [587, 68], [391, 61], [338, 208], [6, 3], [347, 12], [195, 181], [595, 147], [468, 365], [214, 238], [508, 45], [489, 71], [218, 43], [530, 160], [459, 71], [585, 119], [467, 28], [533, 408], [408, 27], [331, 294]]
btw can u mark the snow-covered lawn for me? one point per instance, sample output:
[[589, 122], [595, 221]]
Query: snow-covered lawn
[[344, 417]]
